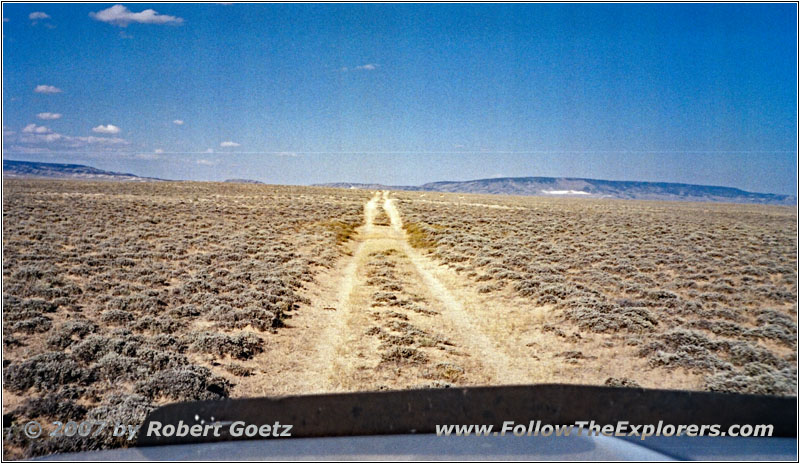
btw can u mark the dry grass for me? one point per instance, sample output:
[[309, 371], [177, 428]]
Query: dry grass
[[344, 231], [420, 236]]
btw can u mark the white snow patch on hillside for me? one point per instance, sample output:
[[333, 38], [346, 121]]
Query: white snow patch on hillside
[[565, 192]]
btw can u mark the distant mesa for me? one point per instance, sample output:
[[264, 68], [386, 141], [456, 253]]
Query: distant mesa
[[243, 181], [566, 187], [589, 188], [350, 185], [30, 169]]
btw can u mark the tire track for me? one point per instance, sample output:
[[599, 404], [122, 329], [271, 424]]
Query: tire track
[[384, 320], [499, 366], [305, 352]]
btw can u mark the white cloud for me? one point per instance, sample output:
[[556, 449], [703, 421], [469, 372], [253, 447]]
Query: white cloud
[[68, 141], [287, 153], [363, 67], [38, 15], [210, 150], [159, 151], [54, 137], [100, 140], [121, 16], [107, 129], [205, 162], [49, 116], [147, 156], [178, 122], [34, 129], [43, 139], [46, 89], [229, 144]]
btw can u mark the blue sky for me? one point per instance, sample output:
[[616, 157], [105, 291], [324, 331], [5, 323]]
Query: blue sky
[[406, 94]]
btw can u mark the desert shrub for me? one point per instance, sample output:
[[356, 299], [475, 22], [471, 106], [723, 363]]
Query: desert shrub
[[693, 350], [12, 305], [157, 360], [186, 310], [404, 354], [447, 371], [391, 287], [677, 338], [723, 328], [162, 341], [59, 405], [254, 316], [506, 275], [384, 297], [527, 288], [597, 316], [122, 408], [755, 378], [64, 336], [417, 308], [187, 383], [781, 334], [491, 287], [239, 370], [38, 324], [61, 444], [395, 315], [95, 346], [776, 325], [158, 324], [11, 341], [117, 317], [684, 348], [621, 382], [242, 346], [119, 408], [114, 366], [741, 353], [45, 372], [92, 348], [20, 316], [391, 340], [31, 272]]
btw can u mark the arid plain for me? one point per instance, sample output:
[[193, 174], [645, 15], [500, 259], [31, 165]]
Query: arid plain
[[119, 297]]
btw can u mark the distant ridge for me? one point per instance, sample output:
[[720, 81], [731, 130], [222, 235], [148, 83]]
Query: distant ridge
[[351, 185], [539, 186], [590, 188], [243, 181], [22, 169]]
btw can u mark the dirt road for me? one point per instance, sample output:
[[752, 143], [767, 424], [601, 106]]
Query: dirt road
[[381, 320], [389, 316]]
